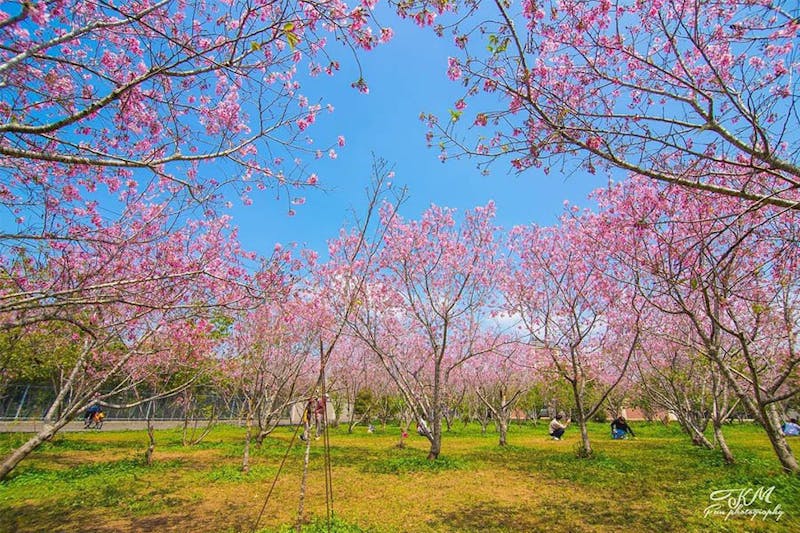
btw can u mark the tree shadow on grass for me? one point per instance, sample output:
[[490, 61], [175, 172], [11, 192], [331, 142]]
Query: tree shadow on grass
[[96, 513], [28, 517], [553, 515], [493, 517], [85, 497]]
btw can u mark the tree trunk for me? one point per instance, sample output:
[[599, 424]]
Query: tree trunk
[[695, 433], [354, 421], [186, 415], [586, 446], [303, 482], [778, 441], [337, 410], [767, 415], [700, 440], [209, 426], [148, 454], [502, 428], [247, 438], [448, 420], [698, 437], [723, 444], [435, 431], [435, 436], [13, 459], [436, 445]]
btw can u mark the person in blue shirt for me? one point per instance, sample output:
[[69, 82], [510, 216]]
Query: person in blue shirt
[[791, 428]]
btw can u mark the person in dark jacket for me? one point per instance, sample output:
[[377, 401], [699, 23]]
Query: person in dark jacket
[[620, 429]]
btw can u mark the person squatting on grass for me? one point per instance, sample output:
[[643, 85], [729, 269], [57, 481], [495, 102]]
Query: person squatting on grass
[[620, 429], [557, 428]]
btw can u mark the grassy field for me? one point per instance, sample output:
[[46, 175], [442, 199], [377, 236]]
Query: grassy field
[[97, 481]]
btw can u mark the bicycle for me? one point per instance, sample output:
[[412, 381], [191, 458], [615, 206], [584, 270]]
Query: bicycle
[[95, 421]]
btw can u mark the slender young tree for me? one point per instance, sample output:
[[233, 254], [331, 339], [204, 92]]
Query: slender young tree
[[425, 308], [356, 381], [500, 380], [570, 302], [270, 361], [673, 376]]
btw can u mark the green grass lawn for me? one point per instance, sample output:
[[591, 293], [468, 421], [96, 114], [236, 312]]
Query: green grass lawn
[[97, 481]]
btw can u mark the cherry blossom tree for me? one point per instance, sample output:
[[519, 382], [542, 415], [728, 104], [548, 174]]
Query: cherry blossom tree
[[136, 97], [124, 129], [674, 377], [120, 127], [111, 361], [109, 114], [689, 92], [426, 308], [333, 288], [270, 361], [123, 310], [390, 406], [500, 379], [332, 292], [732, 274], [355, 380], [566, 292], [474, 410], [453, 399]]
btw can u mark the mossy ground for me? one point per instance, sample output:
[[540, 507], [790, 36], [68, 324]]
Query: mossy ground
[[97, 481]]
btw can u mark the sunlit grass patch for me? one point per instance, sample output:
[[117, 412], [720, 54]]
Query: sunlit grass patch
[[323, 525], [404, 465], [234, 474]]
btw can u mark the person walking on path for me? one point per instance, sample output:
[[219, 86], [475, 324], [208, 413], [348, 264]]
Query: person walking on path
[[320, 414]]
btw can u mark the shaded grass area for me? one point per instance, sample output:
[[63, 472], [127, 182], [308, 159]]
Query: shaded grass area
[[657, 482]]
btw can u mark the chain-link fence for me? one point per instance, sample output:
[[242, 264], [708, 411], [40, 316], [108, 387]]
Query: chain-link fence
[[24, 402]]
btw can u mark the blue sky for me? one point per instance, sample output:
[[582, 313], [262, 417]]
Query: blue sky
[[405, 77]]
